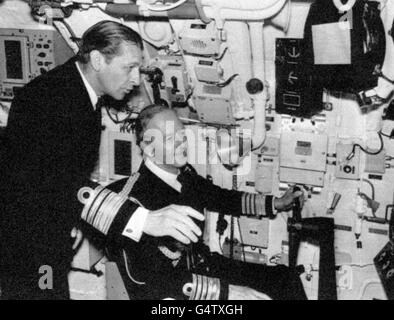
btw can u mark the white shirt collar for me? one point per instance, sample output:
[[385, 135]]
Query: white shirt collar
[[92, 94], [167, 177]]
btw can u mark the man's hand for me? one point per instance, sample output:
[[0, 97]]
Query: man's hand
[[77, 234], [245, 293], [174, 221], [286, 202]]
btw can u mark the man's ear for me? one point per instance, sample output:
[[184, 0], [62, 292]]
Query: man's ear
[[97, 60], [148, 149]]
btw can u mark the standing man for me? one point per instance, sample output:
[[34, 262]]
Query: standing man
[[51, 147]]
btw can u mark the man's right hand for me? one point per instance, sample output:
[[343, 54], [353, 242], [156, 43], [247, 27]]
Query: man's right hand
[[174, 221], [245, 293]]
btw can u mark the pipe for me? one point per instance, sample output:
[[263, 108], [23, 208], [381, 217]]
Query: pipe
[[165, 7], [219, 9], [127, 11], [238, 42], [230, 149], [248, 5], [241, 10], [234, 14], [260, 98]]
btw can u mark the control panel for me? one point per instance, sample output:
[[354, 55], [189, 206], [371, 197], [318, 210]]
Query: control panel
[[295, 94], [26, 54]]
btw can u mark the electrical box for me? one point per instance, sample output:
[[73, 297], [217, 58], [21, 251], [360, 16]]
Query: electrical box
[[213, 104], [208, 71], [303, 158], [375, 163], [300, 150], [198, 38], [298, 176], [264, 175], [175, 78], [347, 169], [26, 54], [254, 232]]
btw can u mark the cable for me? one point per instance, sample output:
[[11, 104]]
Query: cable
[[128, 271], [165, 7], [353, 265], [365, 286], [385, 135], [228, 81], [222, 55], [117, 121], [73, 36], [351, 154], [372, 188], [242, 241], [372, 193], [359, 265]]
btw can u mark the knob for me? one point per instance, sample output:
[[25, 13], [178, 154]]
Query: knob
[[254, 86]]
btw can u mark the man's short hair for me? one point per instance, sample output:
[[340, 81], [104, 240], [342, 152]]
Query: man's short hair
[[106, 36], [144, 117]]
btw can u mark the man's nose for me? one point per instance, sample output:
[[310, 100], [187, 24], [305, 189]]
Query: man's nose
[[135, 77], [181, 141]]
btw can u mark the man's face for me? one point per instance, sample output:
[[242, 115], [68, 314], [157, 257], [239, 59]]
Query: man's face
[[169, 139], [118, 77]]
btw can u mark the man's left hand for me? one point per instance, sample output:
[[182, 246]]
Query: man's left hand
[[285, 203]]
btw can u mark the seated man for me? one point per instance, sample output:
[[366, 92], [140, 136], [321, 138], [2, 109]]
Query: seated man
[[162, 267]]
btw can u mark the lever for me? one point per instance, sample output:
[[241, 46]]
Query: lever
[[335, 200], [297, 206], [174, 81]]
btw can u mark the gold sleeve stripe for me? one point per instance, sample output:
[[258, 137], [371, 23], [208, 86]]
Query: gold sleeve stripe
[[101, 207], [256, 205], [202, 288]]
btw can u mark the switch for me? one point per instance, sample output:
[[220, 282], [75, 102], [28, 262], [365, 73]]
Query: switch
[[347, 169], [174, 81]]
